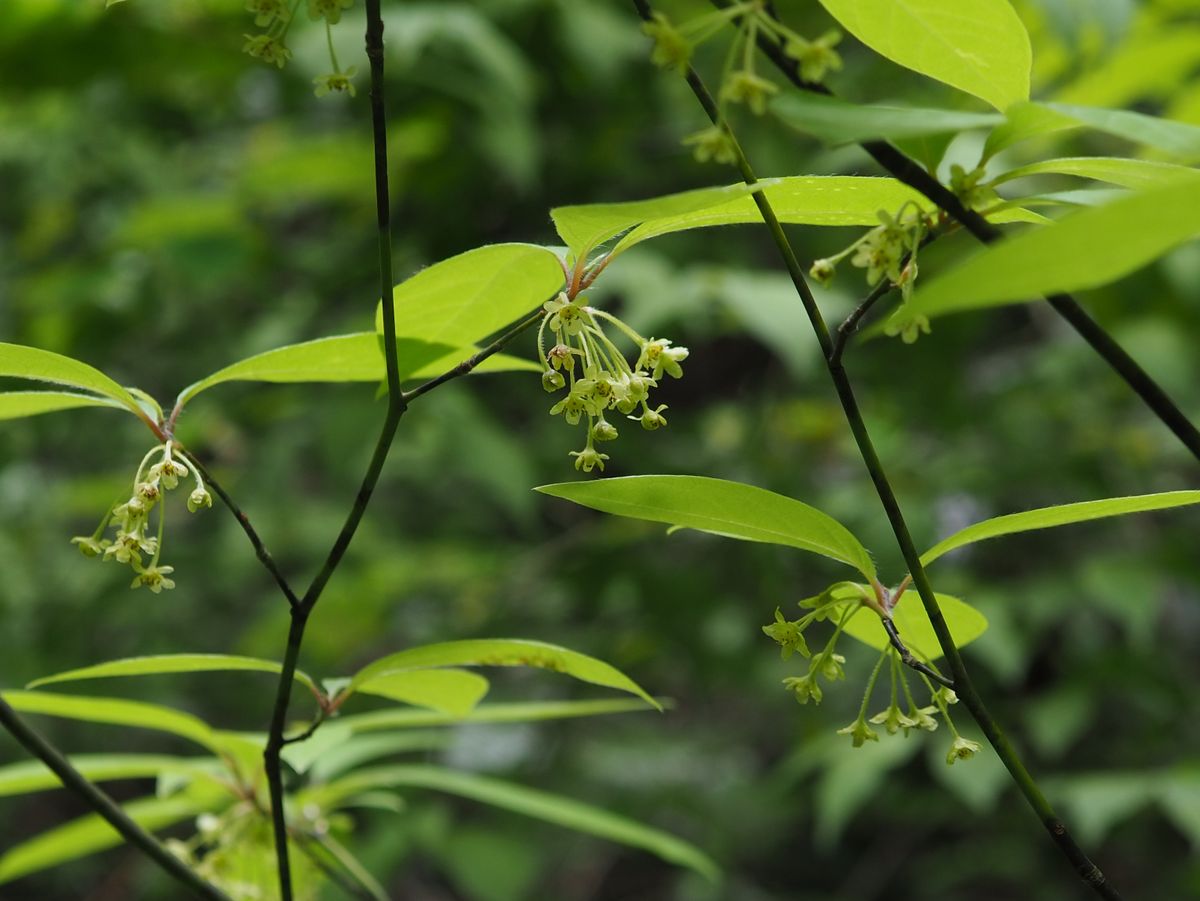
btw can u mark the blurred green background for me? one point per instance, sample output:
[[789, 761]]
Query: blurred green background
[[168, 205]]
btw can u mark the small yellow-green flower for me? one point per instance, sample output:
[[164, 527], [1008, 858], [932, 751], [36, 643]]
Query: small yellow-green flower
[[962, 749], [335, 83], [330, 10], [859, 732], [671, 49], [154, 578]]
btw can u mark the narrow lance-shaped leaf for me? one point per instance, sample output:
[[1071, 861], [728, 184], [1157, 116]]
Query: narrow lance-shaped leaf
[[1089, 248], [1030, 120], [117, 712], [1138, 174], [1063, 515], [977, 46], [90, 834], [17, 404], [37, 365], [462, 300], [838, 122], [33, 775], [162, 664], [965, 623], [515, 712], [501, 652], [541, 805], [723, 508]]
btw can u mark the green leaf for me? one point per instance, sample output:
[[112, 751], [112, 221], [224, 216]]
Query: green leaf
[[33, 775], [1137, 174], [494, 363], [731, 509], [358, 749], [1083, 250], [1063, 515], [117, 712], [22, 362], [464, 299], [90, 834], [517, 712], [965, 623], [978, 46], [586, 226], [1179, 139], [16, 404], [161, 664], [452, 691], [838, 122], [502, 652], [530, 802]]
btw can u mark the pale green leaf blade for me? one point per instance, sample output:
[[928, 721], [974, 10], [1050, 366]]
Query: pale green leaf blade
[[494, 363], [115, 711], [833, 200], [452, 691], [34, 776], [162, 664], [17, 404], [22, 362], [90, 834], [503, 652], [1128, 173], [731, 509], [1180, 139], [835, 121], [965, 623], [586, 226], [1061, 515], [541, 805], [462, 300], [1023, 121], [977, 46], [1083, 250], [515, 712]]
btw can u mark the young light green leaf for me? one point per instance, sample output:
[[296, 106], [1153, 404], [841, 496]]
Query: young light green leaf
[[452, 691], [161, 664], [1062, 515], [34, 776], [117, 712], [356, 750], [90, 834], [965, 622], [551, 808], [731, 509], [494, 363], [1128, 173], [516, 712], [502, 652], [586, 226], [459, 301], [1088, 248], [808, 200], [1179, 139], [16, 404], [838, 122], [22, 362], [977, 46]]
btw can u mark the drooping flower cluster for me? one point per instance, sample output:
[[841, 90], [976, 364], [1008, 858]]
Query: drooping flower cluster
[[597, 378], [271, 45], [889, 250], [132, 541], [839, 603], [740, 83]]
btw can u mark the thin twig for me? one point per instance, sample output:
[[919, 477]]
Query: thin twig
[[907, 170], [848, 327], [963, 686], [106, 807], [260, 549], [906, 656]]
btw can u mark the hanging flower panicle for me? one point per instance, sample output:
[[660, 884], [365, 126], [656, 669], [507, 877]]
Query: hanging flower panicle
[[275, 16], [839, 603], [131, 541], [598, 379]]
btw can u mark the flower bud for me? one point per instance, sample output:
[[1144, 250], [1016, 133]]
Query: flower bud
[[822, 271], [604, 431], [552, 380], [199, 499]]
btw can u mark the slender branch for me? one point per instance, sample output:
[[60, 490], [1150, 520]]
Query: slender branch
[[850, 325], [915, 176], [907, 658], [106, 807], [469, 364], [260, 549], [396, 407], [963, 686]]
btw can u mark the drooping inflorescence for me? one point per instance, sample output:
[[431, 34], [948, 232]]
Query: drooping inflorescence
[[270, 45], [596, 376], [132, 541], [838, 604]]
